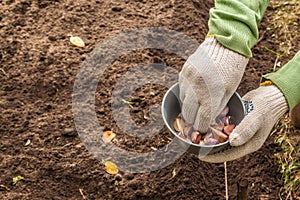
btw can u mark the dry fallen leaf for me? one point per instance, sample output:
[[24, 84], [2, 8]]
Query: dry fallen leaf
[[108, 136], [77, 41], [4, 187], [27, 143], [174, 173], [111, 167], [17, 179]]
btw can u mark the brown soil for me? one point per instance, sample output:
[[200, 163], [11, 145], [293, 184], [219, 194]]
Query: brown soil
[[38, 69]]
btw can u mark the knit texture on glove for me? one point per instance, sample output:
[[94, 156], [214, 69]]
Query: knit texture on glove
[[207, 81], [249, 136]]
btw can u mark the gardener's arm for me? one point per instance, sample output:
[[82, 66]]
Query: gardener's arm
[[234, 23], [212, 74], [287, 79]]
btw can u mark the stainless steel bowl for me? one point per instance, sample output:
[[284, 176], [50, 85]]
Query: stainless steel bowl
[[171, 107]]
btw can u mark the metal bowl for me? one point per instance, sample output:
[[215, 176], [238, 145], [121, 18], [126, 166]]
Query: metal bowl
[[171, 107]]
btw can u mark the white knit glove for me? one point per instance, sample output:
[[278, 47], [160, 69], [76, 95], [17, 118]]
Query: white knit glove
[[269, 105], [207, 80]]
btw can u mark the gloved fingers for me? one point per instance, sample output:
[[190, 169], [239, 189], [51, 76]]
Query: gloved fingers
[[246, 129], [193, 92], [189, 108], [196, 111], [184, 83], [228, 155], [183, 87], [203, 118], [254, 144]]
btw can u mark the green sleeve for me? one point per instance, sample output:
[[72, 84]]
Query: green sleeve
[[235, 23], [287, 79]]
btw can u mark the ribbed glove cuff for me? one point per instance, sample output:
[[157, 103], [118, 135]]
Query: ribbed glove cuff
[[276, 100]]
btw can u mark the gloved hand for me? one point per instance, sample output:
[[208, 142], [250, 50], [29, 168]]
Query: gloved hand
[[269, 105], [207, 80]]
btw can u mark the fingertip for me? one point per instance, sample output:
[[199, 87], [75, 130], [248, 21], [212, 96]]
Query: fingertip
[[203, 120], [189, 110], [234, 139], [243, 132], [202, 126]]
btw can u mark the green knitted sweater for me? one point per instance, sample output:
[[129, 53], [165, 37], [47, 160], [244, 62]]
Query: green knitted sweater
[[234, 23]]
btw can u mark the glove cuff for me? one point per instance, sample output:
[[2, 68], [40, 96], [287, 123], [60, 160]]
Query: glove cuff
[[276, 100], [218, 53]]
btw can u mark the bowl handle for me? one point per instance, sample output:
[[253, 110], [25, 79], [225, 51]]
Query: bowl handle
[[248, 106]]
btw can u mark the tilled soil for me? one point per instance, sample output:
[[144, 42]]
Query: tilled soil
[[38, 138]]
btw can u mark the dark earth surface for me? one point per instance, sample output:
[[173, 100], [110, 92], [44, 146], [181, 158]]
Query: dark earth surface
[[38, 70]]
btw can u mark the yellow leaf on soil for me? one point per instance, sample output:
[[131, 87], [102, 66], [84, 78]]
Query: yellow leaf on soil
[[111, 167], [77, 41], [17, 179], [108, 136]]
